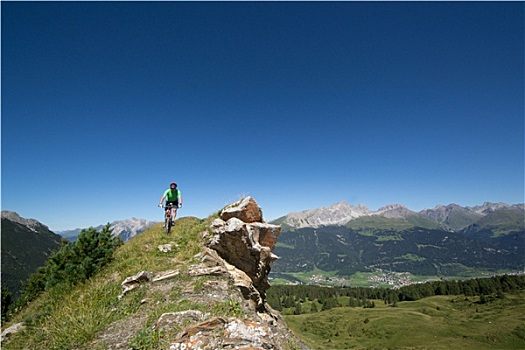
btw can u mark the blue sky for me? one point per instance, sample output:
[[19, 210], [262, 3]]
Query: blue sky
[[299, 105]]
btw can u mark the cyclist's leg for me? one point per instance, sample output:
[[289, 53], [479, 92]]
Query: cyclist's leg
[[174, 210]]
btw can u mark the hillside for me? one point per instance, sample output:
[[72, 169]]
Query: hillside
[[26, 245], [202, 286], [498, 222], [344, 251], [439, 322]]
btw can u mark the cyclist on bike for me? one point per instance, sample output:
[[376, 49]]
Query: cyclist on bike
[[173, 197]]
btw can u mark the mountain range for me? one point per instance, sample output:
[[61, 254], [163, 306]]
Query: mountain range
[[126, 229], [450, 240], [451, 217]]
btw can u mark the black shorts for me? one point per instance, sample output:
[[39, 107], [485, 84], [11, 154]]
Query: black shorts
[[173, 204]]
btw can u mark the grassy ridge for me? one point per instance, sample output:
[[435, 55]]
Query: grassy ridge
[[440, 322], [70, 317]]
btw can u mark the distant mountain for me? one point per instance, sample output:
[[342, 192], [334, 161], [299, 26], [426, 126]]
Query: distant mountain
[[31, 224], [402, 213], [126, 229], [26, 245], [450, 218], [446, 240], [488, 207], [338, 214], [497, 222]]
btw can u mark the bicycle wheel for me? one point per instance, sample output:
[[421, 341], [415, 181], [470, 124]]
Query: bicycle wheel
[[168, 225], [167, 220]]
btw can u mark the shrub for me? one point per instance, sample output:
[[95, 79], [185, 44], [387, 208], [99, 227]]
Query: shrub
[[73, 263], [7, 299], [78, 261]]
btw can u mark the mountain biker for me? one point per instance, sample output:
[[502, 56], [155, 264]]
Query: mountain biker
[[173, 197]]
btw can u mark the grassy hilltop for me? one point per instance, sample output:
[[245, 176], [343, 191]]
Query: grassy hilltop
[[439, 322]]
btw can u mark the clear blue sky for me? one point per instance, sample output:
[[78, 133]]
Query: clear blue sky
[[299, 105]]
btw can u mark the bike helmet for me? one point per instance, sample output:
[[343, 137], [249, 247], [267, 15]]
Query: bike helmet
[[173, 184]]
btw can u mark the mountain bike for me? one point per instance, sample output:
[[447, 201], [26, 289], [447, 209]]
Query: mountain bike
[[168, 223]]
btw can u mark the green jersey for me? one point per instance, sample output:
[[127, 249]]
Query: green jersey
[[172, 195]]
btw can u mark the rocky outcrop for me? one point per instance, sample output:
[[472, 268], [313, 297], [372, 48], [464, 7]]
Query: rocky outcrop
[[6, 333], [233, 267], [257, 327], [245, 210], [244, 240], [240, 248], [234, 334]]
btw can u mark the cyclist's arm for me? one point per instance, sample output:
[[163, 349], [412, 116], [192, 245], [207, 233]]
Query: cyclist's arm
[[163, 196]]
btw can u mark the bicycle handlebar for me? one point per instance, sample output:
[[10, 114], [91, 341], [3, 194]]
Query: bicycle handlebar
[[171, 206]]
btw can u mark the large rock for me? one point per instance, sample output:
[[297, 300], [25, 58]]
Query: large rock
[[244, 240], [246, 210], [220, 333]]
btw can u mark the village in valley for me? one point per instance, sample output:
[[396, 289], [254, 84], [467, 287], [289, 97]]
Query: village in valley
[[378, 279]]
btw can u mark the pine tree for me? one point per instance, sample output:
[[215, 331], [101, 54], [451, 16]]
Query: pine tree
[[80, 260], [330, 303], [314, 307], [289, 301], [298, 309]]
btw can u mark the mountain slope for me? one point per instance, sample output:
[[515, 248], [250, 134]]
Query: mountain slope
[[26, 245], [452, 217], [162, 292], [499, 222], [417, 250]]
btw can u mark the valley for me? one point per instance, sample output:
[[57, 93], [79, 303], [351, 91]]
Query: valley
[[394, 246]]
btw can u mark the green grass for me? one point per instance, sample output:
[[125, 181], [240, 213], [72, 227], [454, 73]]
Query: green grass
[[440, 322], [389, 238], [71, 317], [284, 245], [368, 225], [411, 257]]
